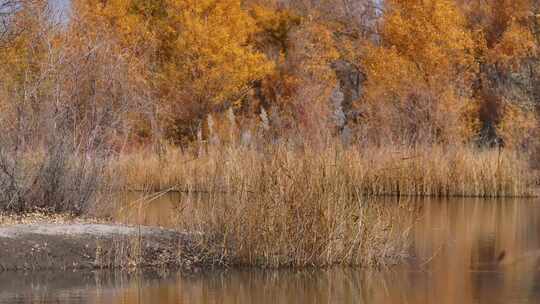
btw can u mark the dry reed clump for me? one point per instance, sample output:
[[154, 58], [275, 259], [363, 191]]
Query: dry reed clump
[[428, 171], [297, 213]]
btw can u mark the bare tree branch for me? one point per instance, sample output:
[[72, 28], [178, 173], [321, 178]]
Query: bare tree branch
[[7, 9]]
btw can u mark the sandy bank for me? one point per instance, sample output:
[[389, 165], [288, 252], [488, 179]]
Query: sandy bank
[[89, 246]]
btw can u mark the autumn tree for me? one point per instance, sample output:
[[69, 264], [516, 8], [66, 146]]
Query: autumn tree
[[418, 77], [303, 47], [316, 46], [64, 96], [62, 68], [21, 58], [507, 83], [198, 55]]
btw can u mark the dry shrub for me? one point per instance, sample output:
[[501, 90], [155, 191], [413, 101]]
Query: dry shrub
[[64, 94], [420, 116], [54, 181]]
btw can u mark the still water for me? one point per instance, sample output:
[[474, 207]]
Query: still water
[[462, 251]]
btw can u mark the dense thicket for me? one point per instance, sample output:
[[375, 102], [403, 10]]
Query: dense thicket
[[407, 72]]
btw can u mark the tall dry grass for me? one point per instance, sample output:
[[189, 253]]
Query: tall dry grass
[[426, 171], [285, 207], [293, 212], [301, 224]]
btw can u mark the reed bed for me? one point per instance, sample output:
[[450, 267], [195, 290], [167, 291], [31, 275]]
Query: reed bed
[[295, 215], [433, 171], [282, 207]]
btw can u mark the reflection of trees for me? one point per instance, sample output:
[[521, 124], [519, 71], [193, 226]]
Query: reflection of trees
[[475, 233]]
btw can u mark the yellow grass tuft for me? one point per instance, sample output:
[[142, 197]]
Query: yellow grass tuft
[[432, 171]]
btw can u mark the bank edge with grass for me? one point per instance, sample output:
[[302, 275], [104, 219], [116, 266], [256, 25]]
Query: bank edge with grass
[[283, 207]]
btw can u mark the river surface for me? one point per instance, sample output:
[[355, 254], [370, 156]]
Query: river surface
[[462, 251]]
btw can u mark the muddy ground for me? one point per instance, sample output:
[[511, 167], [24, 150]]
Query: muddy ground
[[65, 246]]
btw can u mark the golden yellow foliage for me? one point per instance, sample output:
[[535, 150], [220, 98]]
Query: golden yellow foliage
[[274, 27], [430, 33], [22, 59], [504, 29], [517, 125], [516, 44], [418, 77], [506, 50], [198, 51], [423, 69]]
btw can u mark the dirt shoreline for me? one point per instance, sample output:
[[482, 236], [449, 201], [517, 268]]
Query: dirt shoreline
[[70, 246]]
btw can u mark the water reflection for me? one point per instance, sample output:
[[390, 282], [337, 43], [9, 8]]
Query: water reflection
[[463, 251]]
